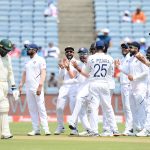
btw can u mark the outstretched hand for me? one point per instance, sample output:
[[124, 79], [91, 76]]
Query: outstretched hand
[[117, 63], [66, 64], [16, 94], [130, 77], [39, 89], [74, 63]]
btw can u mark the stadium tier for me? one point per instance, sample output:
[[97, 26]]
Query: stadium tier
[[22, 20], [108, 14]]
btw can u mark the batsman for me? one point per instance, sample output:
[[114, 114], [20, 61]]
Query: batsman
[[6, 79]]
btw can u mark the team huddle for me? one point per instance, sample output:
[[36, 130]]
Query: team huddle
[[88, 83]]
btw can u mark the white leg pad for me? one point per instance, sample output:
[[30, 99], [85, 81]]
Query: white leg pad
[[4, 125]]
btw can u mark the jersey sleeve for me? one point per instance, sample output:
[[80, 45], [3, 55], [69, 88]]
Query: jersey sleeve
[[124, 68], [87, 67], [61, 73], [42, 64], [111, 69], [145, 71], [10, 72]]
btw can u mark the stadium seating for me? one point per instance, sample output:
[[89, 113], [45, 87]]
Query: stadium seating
[[19, 18], [108, 15], [22, 20]]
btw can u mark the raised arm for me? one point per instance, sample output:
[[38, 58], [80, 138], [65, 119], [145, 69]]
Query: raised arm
[[71, 73], [75, 65], [142, 58]]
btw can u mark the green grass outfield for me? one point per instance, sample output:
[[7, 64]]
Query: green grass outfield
[[64, 142]]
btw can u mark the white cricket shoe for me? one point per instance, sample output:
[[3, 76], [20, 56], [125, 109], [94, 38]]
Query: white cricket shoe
[[92, 133], [136, 131], [72, 126], [47, 133], [33, 133], [128, 133], [88, 133], [106, 133], [144, 133], [84, 133], [59, 130], [6, 136], [116, 133], [74, 132]]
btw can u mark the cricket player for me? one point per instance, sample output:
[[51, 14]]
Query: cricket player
[[81, 106], [146, 129], [100, 69], [68, 89], [125, 89], [107, 130], [34, 76], [138, 76], [6, 79]]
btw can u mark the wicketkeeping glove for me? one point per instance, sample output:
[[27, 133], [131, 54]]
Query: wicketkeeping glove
[[15, 93]]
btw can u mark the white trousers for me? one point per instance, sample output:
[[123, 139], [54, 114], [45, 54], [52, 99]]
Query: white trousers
[[106, 124], [81, 106], [147, 107], [125, 89], [137, 105], [66, 93], [100, 94], [37, 110], [4, 108]]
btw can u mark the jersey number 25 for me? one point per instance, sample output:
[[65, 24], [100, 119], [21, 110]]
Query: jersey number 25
[[100, 70]]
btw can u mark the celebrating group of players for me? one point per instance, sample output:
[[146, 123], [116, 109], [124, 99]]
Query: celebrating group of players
[[89, 83]]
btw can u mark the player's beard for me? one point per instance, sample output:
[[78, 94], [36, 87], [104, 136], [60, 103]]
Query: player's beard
[[132, 53], [69, 57], [30, 53], [124, 54], [83, 59]]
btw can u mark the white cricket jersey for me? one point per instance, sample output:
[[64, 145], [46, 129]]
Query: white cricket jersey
[[80, 78], [148, 83], [33, 71], [149, 77], [101, 67], [63, 73], [124, 64], [6, 74], [139, 71], [111, 80]]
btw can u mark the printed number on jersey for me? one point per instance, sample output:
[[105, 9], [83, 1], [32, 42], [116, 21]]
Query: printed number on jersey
[[100, 70]]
